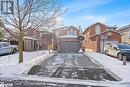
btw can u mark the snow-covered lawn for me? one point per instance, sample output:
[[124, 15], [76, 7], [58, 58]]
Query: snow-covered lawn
[[114, 65], [9, 63]]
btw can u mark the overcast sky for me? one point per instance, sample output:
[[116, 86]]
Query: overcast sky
[[87, 12]]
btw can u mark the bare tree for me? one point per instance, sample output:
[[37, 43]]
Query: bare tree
[[1, 34], [38, 14]]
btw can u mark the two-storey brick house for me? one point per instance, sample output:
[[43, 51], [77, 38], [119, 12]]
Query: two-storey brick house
[[33, 40], [98, 34], [125, 32], [66, 40]]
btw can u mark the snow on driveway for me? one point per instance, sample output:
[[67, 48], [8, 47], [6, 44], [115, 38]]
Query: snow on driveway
[[113, 64], [9, 63]]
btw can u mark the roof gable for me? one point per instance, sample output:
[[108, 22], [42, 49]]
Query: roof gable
[[106, 26]]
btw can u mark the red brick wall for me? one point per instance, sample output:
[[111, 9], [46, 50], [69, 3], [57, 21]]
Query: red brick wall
[[92, 28], [115, 36], [46, 40], [89, 44], [63, 32]]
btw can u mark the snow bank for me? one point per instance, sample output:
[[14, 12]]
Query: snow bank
[[113, 64], [11, 66], [62, 81]]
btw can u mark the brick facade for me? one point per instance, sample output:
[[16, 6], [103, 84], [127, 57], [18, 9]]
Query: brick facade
[[93, 37], [71, 32], [125, 32], [33, 40]]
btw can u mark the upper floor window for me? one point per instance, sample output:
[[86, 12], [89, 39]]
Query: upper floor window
[[129, 34], [97, 30], [72, 33], [68, 32], [57, 33], [40, 34], [75, 33]]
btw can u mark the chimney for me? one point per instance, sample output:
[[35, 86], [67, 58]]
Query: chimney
[[80, 30], [114, 28]]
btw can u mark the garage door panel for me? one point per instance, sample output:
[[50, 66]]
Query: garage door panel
[[69, 46]]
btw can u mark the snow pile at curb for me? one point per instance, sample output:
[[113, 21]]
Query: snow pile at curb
[[112, 64], [23, 67], [51, 80]]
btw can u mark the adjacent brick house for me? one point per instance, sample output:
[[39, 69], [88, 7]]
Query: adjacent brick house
[[30, 44], [39, 41], [71, 30], [66, 39], [125, 32], [33, 40], [45, 39], [98, 34]]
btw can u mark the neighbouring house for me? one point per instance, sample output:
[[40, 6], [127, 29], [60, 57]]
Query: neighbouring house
[[46, 39], [125, 32], [30, 44], [33, 40], [30, 41], [1, 33], [66, 39], [38, 40], [98, 34]]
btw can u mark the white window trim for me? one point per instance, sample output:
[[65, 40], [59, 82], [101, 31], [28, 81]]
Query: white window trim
[[129, 33], [97, 30]]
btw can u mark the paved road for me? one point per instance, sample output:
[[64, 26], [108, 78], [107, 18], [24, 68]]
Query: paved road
[[38, 84]]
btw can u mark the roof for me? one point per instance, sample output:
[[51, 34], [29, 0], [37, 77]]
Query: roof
[[70, 27], [111, 31], [93, 36], [68, 36], [124, 27], [66, 27], [107, 26]]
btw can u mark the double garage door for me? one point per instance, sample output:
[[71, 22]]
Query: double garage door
[[66, 46]]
